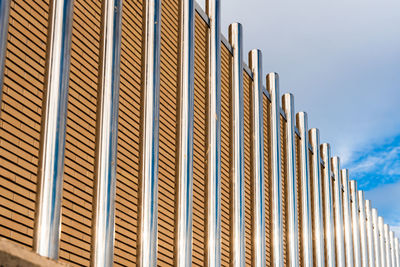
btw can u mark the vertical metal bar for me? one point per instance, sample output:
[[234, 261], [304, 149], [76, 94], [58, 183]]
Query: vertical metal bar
[[391, 244], [382, 247], [376, 234], [237, 146], [293, 227], [316, 199], [106, 135], [184, 168], [213, 227], [370, 234], [363, 229], [305, 196], [338, 210], [277, 227], [355, 222], [149, 132], [348, 238], [52, 141], [328, 207], [4, 15], [387, 245], [396, 252], [257, 159]]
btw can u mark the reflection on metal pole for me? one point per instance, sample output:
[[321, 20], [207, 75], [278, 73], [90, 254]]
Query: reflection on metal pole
[[305, 196], [277, 226], [184, 156], [328, 206], [237, 147], [316, 199], [363, 229], [293, 228], [348, 239], [338, 209], [54, 117], [148, 172], [355, 222], [213, 227], [377, 243]]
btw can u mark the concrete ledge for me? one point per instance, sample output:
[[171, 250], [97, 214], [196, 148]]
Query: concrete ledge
[[12, 255]]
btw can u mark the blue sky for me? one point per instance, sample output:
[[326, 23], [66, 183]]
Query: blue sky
[[341, 60]]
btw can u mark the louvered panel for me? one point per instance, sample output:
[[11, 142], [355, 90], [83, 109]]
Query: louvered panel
[[284, 189], [167, 147], [299, 198], [267, 179], [248, 190], [80, 137], [225, 155], [21, 118], [126, 212], [199, 141]]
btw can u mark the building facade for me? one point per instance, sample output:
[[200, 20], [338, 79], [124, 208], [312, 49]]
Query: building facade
[[133, 133]]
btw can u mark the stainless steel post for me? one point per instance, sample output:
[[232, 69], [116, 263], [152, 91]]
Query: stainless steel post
[[396, 252], [370, 234], [363, 229], [387, 245], [391, 243], [184, 167], [237, 146], [382, 245], [257, 159], [102, 251], [213, 225], [355, 222], [338, 209], [316, 200], [305, 195], [348, 238], [4, 15], [149, 127], [328, 207], [54, 117], [293, 228], [277, 227], [377, 242]]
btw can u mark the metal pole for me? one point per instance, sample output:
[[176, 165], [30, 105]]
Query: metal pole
[[293, 227], [387, 245], [277, 227], [305, 210], [355, 222], [348, 239], [391, 243], [184, 167], [102, 251], [396, 252], [382, 247], [257, 159], [316, 199], [213, 227], [237, 146], [4, 15], [338, 209], [370, 234], [328, 206], [363, 229], [54, 117], [148, 172], [377, 243]]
